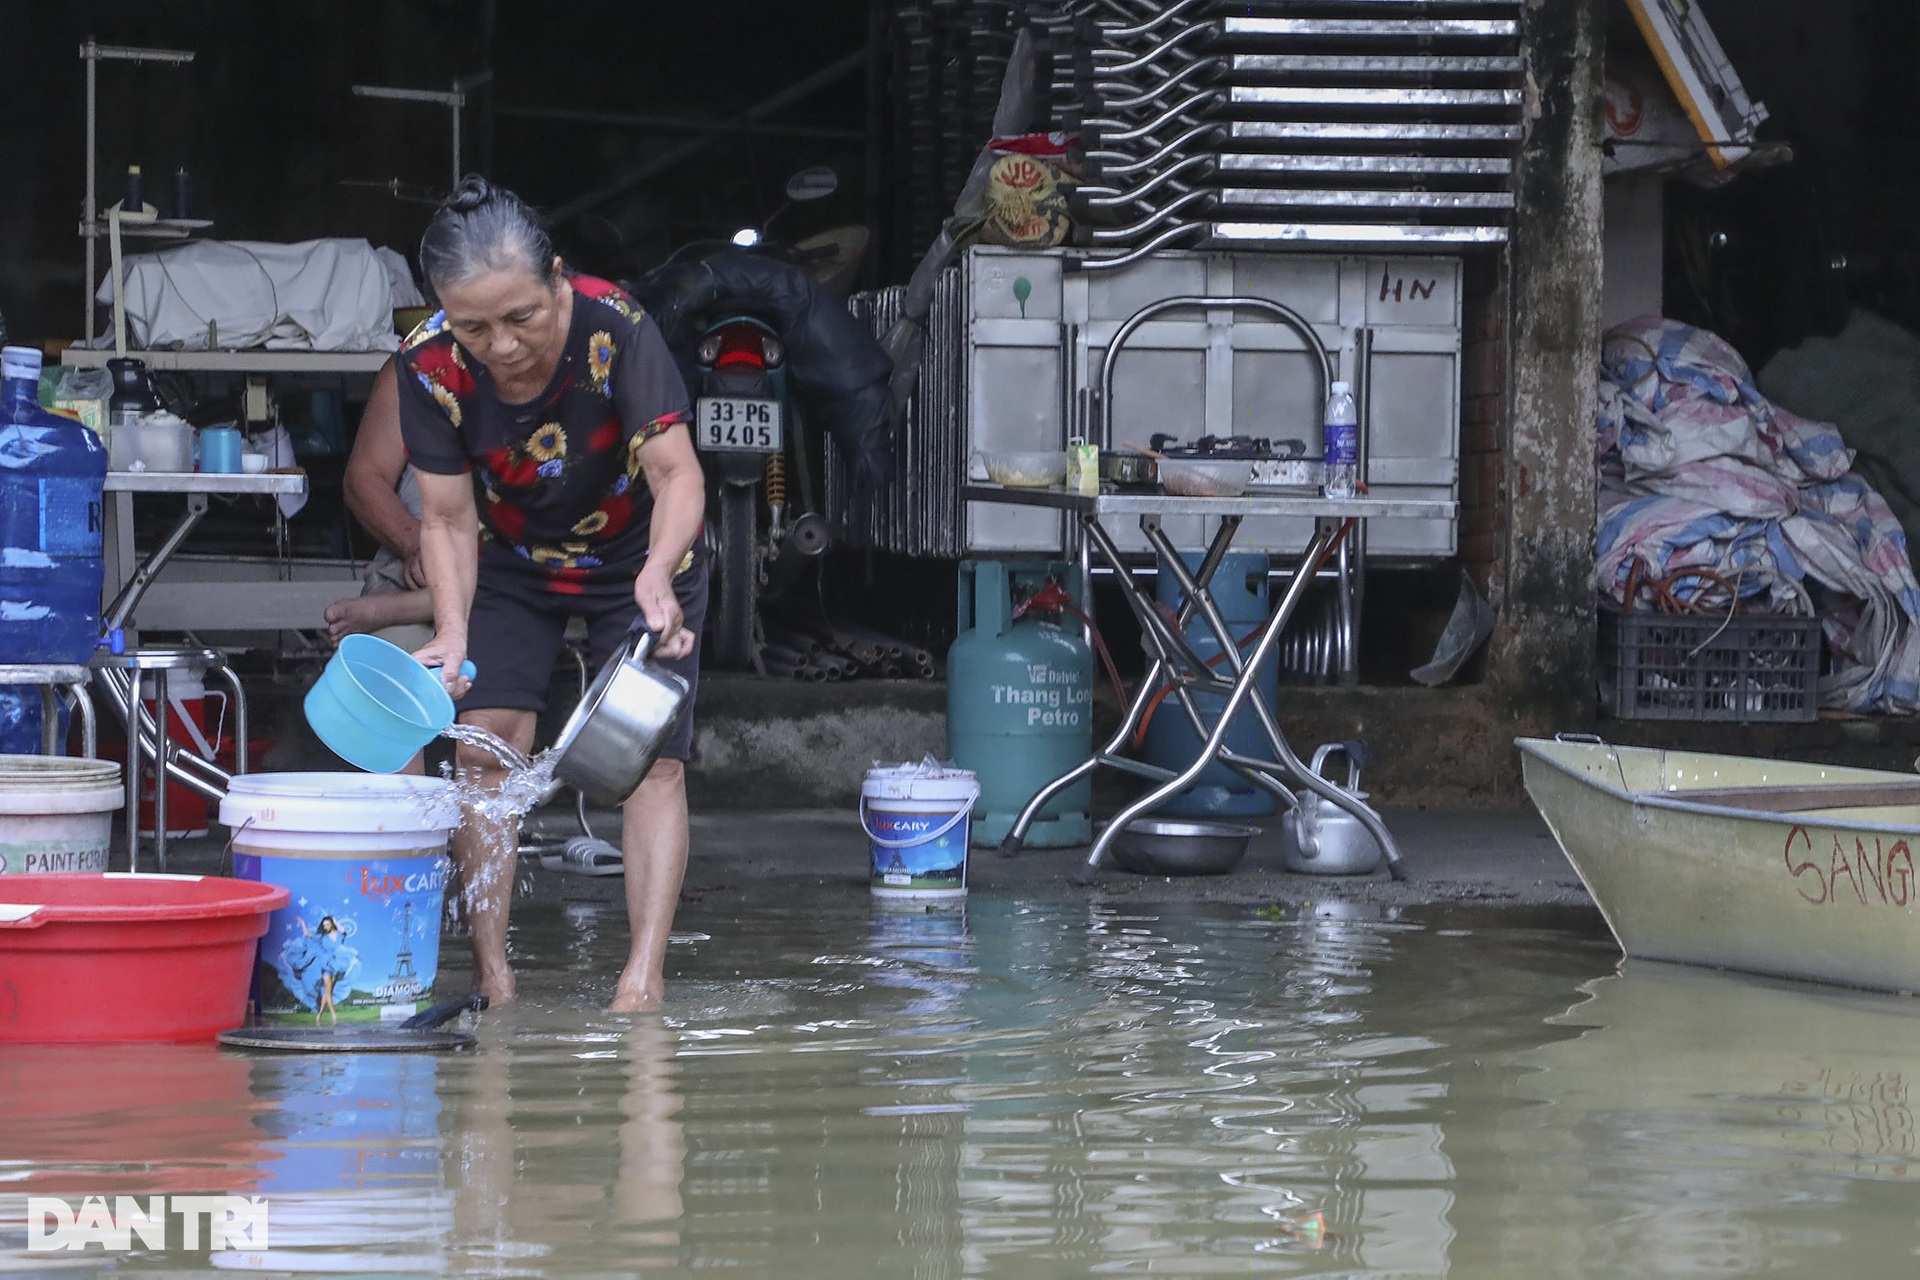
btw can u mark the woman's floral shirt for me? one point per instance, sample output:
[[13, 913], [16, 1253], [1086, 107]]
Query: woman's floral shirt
[[557, 480]]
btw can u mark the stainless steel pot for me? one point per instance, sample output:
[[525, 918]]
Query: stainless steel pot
[[615, 734], [1128, 468]]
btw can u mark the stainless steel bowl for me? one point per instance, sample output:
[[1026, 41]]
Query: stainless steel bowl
[[1153, 847]]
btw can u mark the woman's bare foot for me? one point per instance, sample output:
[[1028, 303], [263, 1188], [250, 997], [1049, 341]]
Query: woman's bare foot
[[637, 993], [495, 984]]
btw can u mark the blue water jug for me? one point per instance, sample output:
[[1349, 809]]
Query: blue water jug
[[52, 473], [1239, 590], [21, 717], [1020, 704]]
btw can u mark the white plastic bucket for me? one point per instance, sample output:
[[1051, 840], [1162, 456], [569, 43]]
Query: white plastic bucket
[[56, 813], [917, 818], [365, 858]]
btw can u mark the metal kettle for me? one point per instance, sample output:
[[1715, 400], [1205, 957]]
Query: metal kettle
[[626, 716], [133, 389], [1317, 837]]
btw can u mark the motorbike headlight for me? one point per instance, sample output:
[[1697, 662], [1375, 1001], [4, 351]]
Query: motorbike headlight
[[771, 350], [709, 349]]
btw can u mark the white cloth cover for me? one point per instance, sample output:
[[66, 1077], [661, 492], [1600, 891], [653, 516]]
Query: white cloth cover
[[318, 295]]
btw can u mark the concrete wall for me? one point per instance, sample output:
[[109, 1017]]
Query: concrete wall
[[1540, 673]]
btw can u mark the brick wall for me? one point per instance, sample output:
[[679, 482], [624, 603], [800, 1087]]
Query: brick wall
[[1483, 426]]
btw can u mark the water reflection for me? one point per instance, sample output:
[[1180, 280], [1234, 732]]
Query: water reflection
[[353, 1177], [344, 1148], [566, 1142], [128, 1119], [1043, 1089], [1713, 1124]]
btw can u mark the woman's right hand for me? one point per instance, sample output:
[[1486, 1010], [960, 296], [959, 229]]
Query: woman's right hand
[[447, 652]]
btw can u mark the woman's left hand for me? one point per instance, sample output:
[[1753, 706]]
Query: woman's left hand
[[661, 608]]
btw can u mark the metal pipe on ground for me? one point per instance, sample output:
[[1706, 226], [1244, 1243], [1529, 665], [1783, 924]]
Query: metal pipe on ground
[[784, 656], [791, 671], [789, 638], [837, 667]]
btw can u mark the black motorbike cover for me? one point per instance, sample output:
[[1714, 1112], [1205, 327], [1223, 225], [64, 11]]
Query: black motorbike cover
[[837, 368]]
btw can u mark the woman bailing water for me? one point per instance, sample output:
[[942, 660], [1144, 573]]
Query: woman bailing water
[[543, 413]]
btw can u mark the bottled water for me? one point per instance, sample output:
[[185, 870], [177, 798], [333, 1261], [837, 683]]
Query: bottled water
[[1341, 443], [52, 471]]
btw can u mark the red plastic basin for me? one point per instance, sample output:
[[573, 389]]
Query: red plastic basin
[[117, 956]]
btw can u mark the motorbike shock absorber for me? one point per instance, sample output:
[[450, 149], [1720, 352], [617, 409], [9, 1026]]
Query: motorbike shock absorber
[[777, 493]]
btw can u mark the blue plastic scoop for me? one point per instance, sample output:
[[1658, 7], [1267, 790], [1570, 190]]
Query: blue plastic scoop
[[375, 705]]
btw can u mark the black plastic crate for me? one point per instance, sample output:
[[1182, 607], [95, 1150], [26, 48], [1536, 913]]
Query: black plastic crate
[[1660, 666]]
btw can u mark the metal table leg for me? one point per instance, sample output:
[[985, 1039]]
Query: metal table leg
[[231, 679], [1178, 669], [49, 720], [1093, 536], [161, 709], [1284, 754], [1241, 690], [134, 682], [89, 726]]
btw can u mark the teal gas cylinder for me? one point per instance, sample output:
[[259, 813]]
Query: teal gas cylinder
[[1240, 593], [1020, 703]]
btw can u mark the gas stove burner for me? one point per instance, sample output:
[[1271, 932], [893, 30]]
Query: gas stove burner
[[1279, 466], [1229, 447]]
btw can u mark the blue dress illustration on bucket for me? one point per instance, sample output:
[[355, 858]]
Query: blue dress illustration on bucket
[[318, 965]]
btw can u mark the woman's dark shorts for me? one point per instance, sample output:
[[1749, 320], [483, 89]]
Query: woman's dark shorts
[[516, 629]]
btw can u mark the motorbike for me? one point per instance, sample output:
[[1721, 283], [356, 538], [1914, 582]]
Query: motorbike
[[771, 357]]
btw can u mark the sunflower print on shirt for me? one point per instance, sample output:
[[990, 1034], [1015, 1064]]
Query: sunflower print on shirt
[[427, 329], [548, 449], [611, 295], [444, 374], [600, 360]]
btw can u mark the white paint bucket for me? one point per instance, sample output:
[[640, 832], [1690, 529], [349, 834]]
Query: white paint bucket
[[364, 856], [916, 818], [56, 813]]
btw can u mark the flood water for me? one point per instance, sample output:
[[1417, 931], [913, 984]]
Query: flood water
[[1036, 1089]]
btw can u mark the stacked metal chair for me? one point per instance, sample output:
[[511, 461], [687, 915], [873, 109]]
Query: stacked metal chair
[[1297, 123], [1302, 123]]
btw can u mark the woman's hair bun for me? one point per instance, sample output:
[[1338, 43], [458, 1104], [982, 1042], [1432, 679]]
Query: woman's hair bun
[[480, 227], [473, 192]]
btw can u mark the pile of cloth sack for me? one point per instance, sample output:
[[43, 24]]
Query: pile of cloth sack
[[1707, 490]]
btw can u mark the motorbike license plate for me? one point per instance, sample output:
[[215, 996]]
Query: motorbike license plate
[[738, 422]]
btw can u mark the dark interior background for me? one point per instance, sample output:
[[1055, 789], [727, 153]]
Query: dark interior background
[[265, 121], [1781, 253], [280, 149]]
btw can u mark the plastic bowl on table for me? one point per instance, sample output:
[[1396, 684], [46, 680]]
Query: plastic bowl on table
[[1196, 478], [1026, 469]]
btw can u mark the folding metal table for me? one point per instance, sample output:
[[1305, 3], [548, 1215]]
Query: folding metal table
[[122, 678], [1176, 670]]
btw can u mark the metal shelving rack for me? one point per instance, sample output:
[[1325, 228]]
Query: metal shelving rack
[[92, 227]]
